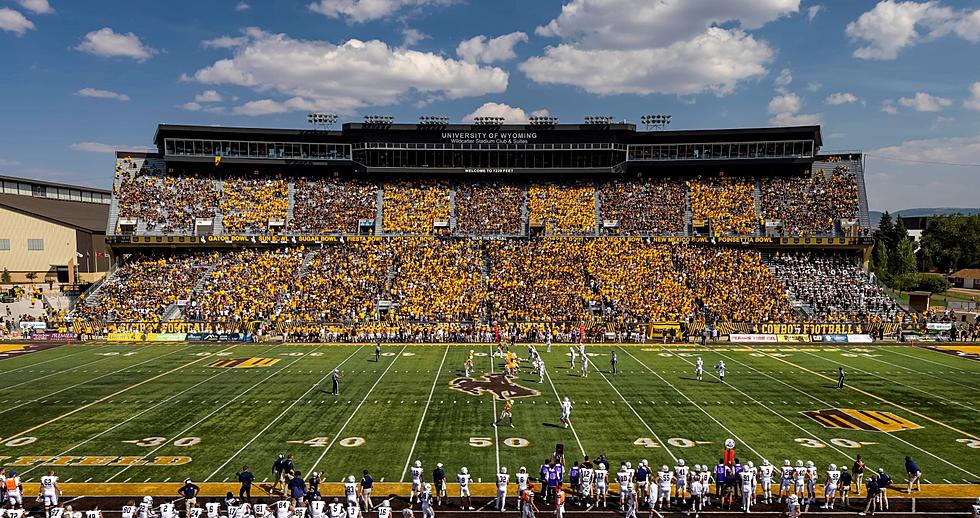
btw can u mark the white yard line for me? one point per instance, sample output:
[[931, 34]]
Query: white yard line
[[209, 415], [281, 414], [359, 405], [493, 401], [134, 416], [869, 373], [703, 411], [910, 369], [643, 421], [58, 373], [570, 426], [425, 410], [892, 349], [887, 433]]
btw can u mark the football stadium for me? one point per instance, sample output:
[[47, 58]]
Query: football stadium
[[493, 299]]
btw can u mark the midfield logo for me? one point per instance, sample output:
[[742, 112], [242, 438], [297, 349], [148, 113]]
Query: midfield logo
[[869, 420], [497, 384]]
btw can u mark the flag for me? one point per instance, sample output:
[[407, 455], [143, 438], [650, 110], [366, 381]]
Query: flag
[[217, 160]]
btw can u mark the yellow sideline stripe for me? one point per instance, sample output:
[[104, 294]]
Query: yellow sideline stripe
[[879, 398], [110, 396], [217, 490]]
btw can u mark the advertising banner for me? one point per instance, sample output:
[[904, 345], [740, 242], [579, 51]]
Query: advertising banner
[[125, 337], [166, 337], [859, 339], [39, 326], [745, 338], [793, 338], [939, 326], [219, 337], [840, 339], [53, 337]]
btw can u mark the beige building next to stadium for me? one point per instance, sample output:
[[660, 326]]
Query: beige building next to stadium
[[55, 231]]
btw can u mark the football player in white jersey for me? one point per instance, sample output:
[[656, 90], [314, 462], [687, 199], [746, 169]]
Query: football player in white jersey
[[747, 481], [129, 510], [793, 507], [55, 512], [664, 478], [197, 512], [540, 366], [699, 368], [503, 480], [94, 513], [720, 367], [282, 509], [680, 481], [830, 486], [299, 511], [427, 511], [384, 510], [799, 479], [317, 505], [601, 484], [354, 511], [262, 511], [145, 509], [585, 478], [416, 481], [49, 491], [463, 479], [811, 482], [785, 480], [167, 510], [521, 478], [566, 411], [350, 491], [214, 509], [336, 509], [11, 483], [976, 508], [697, 491], [623, 477], [766, 471]]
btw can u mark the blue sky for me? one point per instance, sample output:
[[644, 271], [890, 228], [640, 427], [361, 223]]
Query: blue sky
[[899, 80]]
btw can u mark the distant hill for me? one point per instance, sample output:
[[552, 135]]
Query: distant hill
[[923, 211]]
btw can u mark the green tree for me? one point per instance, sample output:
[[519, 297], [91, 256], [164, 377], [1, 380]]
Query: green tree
[[31, 276], [879, 262], [5, 276], [953, 242], [885, 231], [903, 258]]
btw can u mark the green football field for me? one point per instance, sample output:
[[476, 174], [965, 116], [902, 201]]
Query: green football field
[[158, 413]]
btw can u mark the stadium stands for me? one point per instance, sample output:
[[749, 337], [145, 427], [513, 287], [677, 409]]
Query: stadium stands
[[416, 206], [324, 206], [727, 204], [252, 205], [809, 205], [489, 208], [645, 206]]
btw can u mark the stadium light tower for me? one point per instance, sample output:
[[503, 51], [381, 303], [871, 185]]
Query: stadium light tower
[[599, 120], [433, 120], [654, 122], [488, 121], [378, 120], [321, 120], [543, 121]]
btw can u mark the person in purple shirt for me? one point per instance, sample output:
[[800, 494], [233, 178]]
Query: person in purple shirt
[[573, 479], [738, 471], [719, 477], [554, 478], [543, 478]]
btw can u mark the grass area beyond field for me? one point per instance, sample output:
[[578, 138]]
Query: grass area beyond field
[[160, 413]]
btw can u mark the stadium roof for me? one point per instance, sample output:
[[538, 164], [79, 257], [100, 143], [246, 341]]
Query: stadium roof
[[45, 183], [90, 217]]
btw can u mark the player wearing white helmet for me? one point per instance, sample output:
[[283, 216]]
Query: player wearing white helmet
[[664, 478], [503, 480], [793, 507], [976, 508], [145, 509], [601, 484], [426, 498], [680, 482], [623, 477], [747, 481], [350, 491], [799, 479], [566, 411], [785, 480], [463, 479], [586, 479], [640, 479], [384, 510], [699, 368], [830, 486], [766, 471], [416, 480], [720, 367], [811, 482], [631, 502]]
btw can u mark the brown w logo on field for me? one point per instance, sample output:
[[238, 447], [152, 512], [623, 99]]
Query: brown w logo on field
[[497, 384], [869, 420], [243, 363]]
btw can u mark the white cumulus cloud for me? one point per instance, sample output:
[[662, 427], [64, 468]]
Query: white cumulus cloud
[[813, 11], [511, 114], [102, 94], [412, 36], [677, 47], [294, 74], [838, 98], [973, 103], [208, 96], [785, 110], [783, 80], [888, 106], [108, 43], [923, 102], [13, 21], [191, 106], [360, 11], [37, 6], [480, 49], [892, 26]]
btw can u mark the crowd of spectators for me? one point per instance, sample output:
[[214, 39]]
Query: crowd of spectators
[[810, 204], [732, 285], [644, 206], [832, 287], [727, 204], [415, 206], [340, 283], [246, 285], [437, 279], [165, 203], [563, 208], [145, 286], [250, 204], [537, 280], [489, 207], [327, 205]]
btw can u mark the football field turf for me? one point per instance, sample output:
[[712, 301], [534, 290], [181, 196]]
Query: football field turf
[[159, 413]]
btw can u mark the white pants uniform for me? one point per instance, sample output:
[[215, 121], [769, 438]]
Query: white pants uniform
[[14, 498], [830, 490], [50, 498]]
